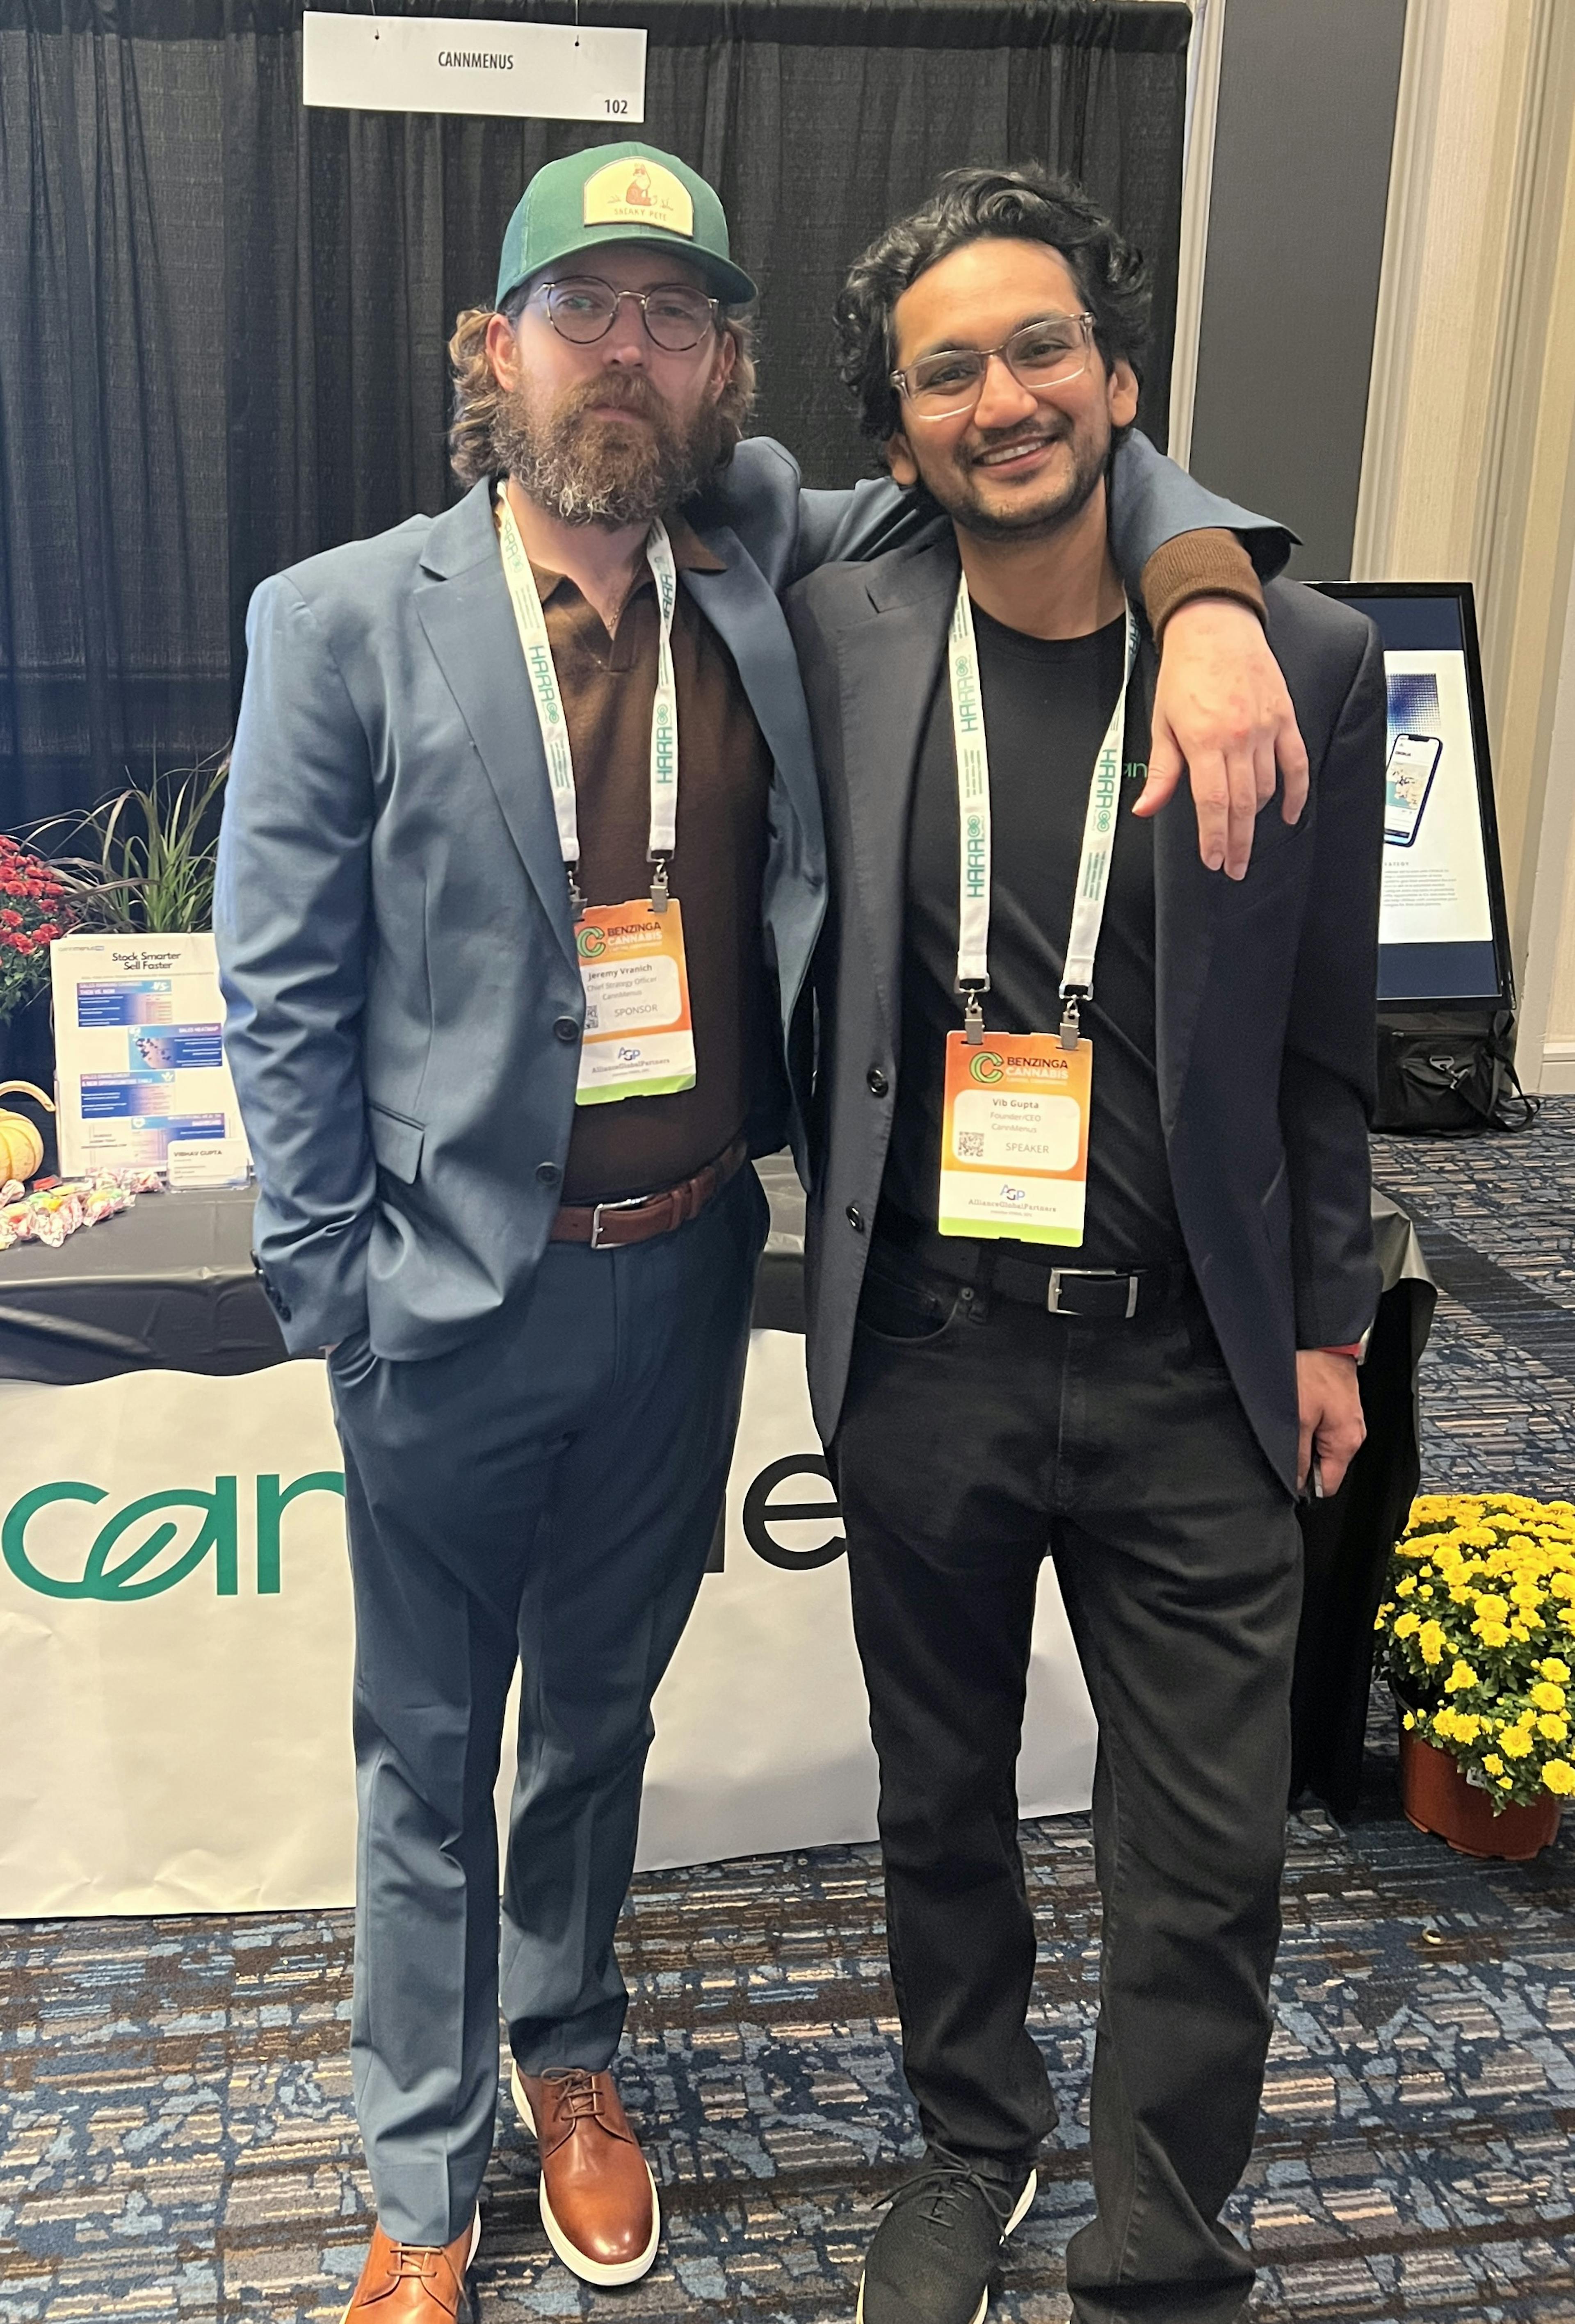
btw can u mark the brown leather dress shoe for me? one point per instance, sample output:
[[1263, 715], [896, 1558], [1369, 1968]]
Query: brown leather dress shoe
[[415, 2284], [598, 2198]]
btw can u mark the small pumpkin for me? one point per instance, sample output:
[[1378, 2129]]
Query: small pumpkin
[[21, 1147]]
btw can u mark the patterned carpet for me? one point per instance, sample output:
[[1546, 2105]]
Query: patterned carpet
[[175, 2131]]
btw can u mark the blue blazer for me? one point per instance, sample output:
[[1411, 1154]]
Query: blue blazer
[[392, 913]]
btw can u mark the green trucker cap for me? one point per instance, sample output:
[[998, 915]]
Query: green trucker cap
[[620, 193]]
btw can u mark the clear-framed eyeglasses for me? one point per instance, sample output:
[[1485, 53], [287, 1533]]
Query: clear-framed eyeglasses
[[584, 308], [1038, 355]]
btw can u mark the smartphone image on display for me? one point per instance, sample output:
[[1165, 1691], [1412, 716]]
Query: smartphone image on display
[[1408, 779]]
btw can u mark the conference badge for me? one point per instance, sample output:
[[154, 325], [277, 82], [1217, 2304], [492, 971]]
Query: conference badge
[[1013, 1138], [638, 1040]]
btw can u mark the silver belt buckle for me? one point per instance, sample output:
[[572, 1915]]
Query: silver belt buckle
[[1058, 1275], [629, 1202]]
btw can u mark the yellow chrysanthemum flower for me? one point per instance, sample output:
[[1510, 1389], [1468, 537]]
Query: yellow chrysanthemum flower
[[1429, 1641], [1553, 1725], [1516, 1742], [1555, 1670], [1494, 1764], [1559, 1778], [1547, 1696], [1463, 1675]]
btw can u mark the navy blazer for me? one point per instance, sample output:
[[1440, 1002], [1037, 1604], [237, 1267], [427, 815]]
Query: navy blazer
[[392, 913], [1264, 999]]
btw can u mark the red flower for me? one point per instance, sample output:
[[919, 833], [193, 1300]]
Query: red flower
[[10, 919]]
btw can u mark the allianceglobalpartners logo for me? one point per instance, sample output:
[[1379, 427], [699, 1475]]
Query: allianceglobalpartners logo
[[149, 1545]]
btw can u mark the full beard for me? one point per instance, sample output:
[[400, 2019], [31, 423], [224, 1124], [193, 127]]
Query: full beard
[[588, 469], [965, 505]]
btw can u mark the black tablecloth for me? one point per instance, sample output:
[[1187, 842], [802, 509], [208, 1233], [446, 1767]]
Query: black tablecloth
[[169, 1285]]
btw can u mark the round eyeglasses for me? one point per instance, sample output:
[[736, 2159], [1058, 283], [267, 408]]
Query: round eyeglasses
[[1041, 354], [583, 309]]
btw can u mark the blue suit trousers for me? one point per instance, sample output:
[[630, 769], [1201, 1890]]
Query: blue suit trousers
[[547, 1495]]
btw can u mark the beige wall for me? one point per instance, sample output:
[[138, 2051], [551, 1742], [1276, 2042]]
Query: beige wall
[[1470, 463]]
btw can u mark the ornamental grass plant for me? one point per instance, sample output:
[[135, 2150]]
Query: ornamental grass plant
[[142, 862], [1477, 1631]]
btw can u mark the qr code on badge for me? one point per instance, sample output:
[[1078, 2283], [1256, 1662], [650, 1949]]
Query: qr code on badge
[[593, 1017], [970, 1146]]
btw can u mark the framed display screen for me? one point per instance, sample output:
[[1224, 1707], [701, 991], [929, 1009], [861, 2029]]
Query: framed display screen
[[1443, 934]]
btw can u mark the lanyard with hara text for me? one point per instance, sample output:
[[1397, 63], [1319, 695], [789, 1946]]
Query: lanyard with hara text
[[1014, 1149], [638, 1038]]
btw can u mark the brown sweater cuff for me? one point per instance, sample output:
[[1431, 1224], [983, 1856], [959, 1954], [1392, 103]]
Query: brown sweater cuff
[[1210, 564]]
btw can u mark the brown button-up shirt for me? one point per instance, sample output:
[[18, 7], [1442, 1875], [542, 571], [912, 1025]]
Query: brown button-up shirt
[[642, 1145]]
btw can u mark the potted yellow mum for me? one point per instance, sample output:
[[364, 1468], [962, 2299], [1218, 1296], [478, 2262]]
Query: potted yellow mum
[[1477, 1628]]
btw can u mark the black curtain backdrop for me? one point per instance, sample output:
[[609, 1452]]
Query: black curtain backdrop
[[223, 317]]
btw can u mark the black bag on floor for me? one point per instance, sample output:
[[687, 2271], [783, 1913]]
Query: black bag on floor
[[1447, 1073]]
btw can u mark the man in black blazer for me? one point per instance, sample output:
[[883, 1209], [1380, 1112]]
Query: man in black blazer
[[1115, 1320]]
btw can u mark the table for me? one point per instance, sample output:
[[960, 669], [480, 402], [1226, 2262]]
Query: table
[[175, 1634]]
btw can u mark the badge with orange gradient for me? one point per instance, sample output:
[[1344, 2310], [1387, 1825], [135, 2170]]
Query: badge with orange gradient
[[639, 193], [638, 1040], [1013, 1138]]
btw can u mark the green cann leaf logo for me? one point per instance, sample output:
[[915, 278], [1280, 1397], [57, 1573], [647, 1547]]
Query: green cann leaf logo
[[138, 1553]]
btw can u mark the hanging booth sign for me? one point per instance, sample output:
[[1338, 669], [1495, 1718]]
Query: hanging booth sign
[[472, 64]]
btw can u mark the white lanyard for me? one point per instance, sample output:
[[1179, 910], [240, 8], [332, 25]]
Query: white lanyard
[[531, 623], [973, 827]]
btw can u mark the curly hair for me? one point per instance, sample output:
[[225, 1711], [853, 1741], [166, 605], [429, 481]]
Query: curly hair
[[1028, 203], [471, 447]]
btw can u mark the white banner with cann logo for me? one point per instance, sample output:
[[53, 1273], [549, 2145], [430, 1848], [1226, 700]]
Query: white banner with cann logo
[[175, 1653]]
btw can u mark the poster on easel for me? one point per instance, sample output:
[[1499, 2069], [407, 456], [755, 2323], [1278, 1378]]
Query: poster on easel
[[139, 1063], [1444, 937]]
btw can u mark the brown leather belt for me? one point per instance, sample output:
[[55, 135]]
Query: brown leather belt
[[609, 1226]]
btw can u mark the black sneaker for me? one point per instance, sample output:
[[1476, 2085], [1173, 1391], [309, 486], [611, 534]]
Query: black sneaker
[[934, 2254]]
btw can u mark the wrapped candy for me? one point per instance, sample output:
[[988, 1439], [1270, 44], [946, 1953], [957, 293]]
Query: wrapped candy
[[55, 1208]]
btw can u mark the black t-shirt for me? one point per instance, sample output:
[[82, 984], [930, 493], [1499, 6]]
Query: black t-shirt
[[1047, 704]]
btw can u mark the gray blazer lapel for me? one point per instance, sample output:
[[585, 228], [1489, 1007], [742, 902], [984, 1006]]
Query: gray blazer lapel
[[889, 664], [464, 608], [1186, 912]]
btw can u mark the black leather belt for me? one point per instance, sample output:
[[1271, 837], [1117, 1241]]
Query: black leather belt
[[1099, 1294]]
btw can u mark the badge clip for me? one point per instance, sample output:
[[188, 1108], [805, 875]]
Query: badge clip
[[973, 1014], [1071, 1023], [577, 894], [661, 895]]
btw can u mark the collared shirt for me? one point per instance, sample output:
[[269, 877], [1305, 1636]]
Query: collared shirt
[[608, 685], [1047, 704]]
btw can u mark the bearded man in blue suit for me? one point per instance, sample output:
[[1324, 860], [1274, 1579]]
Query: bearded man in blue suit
[[521, 873]]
